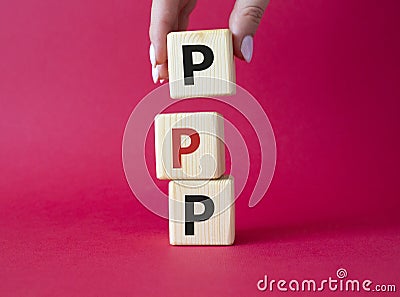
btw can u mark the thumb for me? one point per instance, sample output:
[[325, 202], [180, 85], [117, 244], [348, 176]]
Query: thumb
[[243, 22]]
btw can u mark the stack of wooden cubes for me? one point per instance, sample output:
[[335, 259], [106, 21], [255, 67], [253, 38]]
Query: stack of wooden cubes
[[190, 148]]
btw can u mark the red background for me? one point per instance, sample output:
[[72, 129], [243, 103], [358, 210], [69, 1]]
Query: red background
[[71, 72]]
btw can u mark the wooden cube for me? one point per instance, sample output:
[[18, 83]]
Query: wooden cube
[[202, 212], [200, 63], [189, 145]]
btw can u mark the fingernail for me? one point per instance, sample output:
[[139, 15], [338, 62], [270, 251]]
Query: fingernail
[[161, 81], [247, 48], [155, 74], [152, 54]]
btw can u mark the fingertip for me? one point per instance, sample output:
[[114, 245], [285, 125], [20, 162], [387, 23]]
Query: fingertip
[[243, 23], [237, 34], [164, 16], [237, 42], [163, 71], [246, 48], [243, 47], [152, 55], [159, 48], [155, 74]]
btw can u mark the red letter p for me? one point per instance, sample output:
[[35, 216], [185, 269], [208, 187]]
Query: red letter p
[[177, 150]]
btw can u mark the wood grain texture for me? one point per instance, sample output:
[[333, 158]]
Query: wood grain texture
[[219, 229], [207, 161], [219, 79]]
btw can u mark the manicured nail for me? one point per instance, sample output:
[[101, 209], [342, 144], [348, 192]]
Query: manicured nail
[[155, 74], [247, 48], [152, 54], [162, 80]]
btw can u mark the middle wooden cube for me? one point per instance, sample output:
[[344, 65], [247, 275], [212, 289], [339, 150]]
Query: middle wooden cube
[[189, 145]]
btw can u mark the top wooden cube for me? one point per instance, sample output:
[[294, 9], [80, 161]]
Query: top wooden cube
[[200, 63]]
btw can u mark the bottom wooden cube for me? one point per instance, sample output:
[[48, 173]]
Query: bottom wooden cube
[[202, 212]]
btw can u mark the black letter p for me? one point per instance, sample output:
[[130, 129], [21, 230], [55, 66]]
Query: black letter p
[[190, 217], [189, 67]]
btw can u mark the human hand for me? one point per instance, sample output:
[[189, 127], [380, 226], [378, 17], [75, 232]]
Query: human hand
[[173, 15]]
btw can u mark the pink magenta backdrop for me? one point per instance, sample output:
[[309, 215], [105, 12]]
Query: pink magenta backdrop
[[71, 72]]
